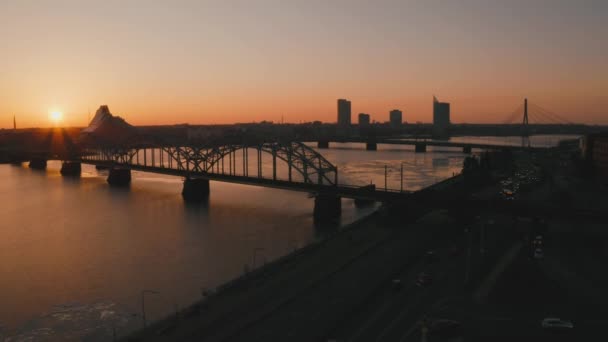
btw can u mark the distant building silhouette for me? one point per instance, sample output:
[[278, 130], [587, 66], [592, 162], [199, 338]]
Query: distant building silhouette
[[364, 119], [344, 113], [396, 117], [441, 117], [107, 128], [594, 150]]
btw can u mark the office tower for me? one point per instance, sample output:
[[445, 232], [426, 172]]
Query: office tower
[[364, 119], [441, 117], [343, 113], [396, 117]]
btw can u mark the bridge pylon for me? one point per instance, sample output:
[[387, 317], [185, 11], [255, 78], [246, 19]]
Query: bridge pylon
[[38, 163], [525, 133], [196, 189], [71, 168], [119, 177]]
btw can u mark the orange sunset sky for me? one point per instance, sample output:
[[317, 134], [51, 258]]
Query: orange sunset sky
[[205, 62]]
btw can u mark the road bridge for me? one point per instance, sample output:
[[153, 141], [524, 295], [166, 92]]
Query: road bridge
[[420, 144]]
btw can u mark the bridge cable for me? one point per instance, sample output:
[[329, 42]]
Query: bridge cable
[[514, 115], [536, 111], [544, 117], [557, 117]]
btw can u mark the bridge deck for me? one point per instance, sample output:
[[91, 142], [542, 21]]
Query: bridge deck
[[341, 190], [438, 143], [451, 144]]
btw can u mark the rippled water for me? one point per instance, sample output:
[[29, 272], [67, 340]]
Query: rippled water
[[76, 254]]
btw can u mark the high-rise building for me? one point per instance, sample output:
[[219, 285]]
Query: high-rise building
[[441, 116], [343, 112], [396, 117], [364, 119]]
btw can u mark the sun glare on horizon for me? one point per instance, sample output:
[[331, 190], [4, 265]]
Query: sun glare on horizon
[[56, 116]]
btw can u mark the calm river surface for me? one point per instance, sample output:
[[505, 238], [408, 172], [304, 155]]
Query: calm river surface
[[75, 254]]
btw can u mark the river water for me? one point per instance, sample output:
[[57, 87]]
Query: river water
[[76, 254]]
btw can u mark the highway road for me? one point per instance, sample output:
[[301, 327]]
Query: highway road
[[395, 315], [306, 298], [314, 314]]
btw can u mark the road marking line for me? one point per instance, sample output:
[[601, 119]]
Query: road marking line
[[401, 315], [369, 321], [409, 332]]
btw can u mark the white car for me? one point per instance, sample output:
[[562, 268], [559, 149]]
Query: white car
[[556, 323]]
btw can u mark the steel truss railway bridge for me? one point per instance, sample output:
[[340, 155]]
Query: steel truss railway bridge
[[288, 165]]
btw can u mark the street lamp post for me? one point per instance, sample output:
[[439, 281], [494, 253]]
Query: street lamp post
[[255, 252], [401, 177], [385, 176], [143, 304]]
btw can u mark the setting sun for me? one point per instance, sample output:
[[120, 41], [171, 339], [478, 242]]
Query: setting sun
[[56, 116]]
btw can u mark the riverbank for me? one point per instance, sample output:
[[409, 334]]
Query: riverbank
[[255, 294]]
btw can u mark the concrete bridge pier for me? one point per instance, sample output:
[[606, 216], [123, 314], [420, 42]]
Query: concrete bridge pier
[[323, 144], [196, 190], [71, 168], [371, 146], [420, 147], [328, 208], [359, 202], [38, 164], [466, 149], [119, 177]]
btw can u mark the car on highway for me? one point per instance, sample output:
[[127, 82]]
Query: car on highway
[[538, 241], [430, 257], [445, 329], [424, 279], [397, 284], [507, 194], [554, 323]]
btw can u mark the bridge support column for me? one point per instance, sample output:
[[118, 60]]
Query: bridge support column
[[420, 148], [38, 164], [195, 190], [328, 208], [466, 149], [119, 177], [71, 168], [323, 144], [371, 146]]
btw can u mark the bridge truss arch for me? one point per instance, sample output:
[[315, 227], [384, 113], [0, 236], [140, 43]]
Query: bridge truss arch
[[193, 160]]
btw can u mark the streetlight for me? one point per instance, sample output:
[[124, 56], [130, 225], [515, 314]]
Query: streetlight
[[255, 252], [401, 176], [385, 176], [143, 305]]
